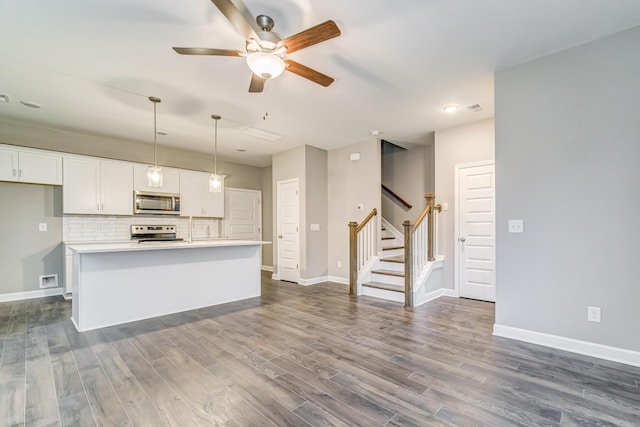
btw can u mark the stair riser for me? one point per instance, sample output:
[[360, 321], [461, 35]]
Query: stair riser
[[393, 266], [384, 278], [384, 294], [393, 252]]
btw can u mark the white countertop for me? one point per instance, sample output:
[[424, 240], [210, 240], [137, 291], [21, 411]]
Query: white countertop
[[151, 246]]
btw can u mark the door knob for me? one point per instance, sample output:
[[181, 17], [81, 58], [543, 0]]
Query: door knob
[[279, 236], [462, 239]]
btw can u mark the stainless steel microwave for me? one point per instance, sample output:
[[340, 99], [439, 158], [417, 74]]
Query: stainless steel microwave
[[156, 203]]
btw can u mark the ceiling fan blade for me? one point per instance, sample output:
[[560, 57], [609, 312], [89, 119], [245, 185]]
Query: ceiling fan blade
[[308, 73], [257, 84], [239, 16], [314, 35], [206, 51]]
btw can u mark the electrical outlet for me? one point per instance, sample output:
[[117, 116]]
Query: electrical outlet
[[42, 226], [516, 226], [593, 314], [339, 264]]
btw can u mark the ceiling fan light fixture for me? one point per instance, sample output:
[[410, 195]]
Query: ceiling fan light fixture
[[265, 65]]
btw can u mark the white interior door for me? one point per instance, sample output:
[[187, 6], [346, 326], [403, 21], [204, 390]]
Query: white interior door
[[243, 215], [288, 230], [476, 231]]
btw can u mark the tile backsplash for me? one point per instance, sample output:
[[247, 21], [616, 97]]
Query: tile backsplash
[[92, 228]]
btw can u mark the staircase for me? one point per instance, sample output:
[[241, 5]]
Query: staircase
[[387, 276]]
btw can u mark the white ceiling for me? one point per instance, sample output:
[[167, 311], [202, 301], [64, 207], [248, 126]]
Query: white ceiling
[[91, 65]]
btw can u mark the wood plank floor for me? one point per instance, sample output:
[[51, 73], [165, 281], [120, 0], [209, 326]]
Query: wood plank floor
[[299, 356]]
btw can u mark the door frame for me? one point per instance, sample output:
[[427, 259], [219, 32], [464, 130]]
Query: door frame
[[456, 262], [276, 275]]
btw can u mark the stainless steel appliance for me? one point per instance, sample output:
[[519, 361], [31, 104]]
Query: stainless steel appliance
[[156, 203], [154, 233]]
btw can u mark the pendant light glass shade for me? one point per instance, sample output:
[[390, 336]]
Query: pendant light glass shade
[[266, 65], [154, 173], [215, 180]]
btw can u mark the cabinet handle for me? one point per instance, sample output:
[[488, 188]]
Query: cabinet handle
[[19, 173], [14, 172]]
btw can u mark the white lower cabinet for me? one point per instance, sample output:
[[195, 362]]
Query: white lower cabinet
[[30, 167], [97, 187], [196, 199]]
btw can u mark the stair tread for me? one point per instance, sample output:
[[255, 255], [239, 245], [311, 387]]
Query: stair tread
[[399, 259], [389, 248], [385, 286], [389, 272]]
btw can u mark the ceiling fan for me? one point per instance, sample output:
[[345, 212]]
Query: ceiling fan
[[266, 51]]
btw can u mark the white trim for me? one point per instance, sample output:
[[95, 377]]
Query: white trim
[[275, 276], [40, 293], [313, 281], [456, 220], [437, 294], [396, 233], [383, 294], [267, 268], [586, 348], [337, 279]]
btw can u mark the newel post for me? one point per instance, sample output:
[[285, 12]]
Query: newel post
[[353, 257], [408, 265]]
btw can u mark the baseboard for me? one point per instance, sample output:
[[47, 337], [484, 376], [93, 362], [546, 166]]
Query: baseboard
[[442, 292], [313, 281], [40, 293], [275, 276], [337, 279], [266, 268], [586, 348]]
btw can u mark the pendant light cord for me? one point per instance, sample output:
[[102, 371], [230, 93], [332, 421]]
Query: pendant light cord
[[215, 117]]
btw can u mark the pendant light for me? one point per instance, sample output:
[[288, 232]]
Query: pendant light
[[215, 180], [154, 173]]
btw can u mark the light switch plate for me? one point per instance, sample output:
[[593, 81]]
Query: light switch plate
[[354, 156], [315, 227], [42, 226], [516, 226]]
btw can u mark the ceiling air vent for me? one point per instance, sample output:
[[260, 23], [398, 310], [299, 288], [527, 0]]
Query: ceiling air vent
[[476, 108], [259, 133]]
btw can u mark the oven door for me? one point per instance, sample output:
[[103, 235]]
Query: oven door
[[156, 203]]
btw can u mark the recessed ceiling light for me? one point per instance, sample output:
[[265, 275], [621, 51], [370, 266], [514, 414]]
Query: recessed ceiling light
[[450, 108], [4, 97], [242, 150], [376, 132], [162, 132], [30, 104]]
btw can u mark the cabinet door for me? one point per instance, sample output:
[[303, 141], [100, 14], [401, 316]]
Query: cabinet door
[[170, 180], [80, 191], [40, 168], [213, 202], [116, 184], [8, 165], [191, 194]]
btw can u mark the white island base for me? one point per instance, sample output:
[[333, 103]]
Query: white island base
[[120, 283]]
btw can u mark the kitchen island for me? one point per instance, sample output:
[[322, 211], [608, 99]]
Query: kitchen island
[[115, 283]]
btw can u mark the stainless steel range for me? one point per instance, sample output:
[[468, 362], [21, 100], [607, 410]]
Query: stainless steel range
[[154, 233]]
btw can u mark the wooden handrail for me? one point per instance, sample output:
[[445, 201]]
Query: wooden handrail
[[400, 199], [373, 213], [422, 217]]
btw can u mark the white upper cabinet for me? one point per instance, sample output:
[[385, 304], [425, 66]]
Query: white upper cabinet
[[196, 199], [30, 167], [96, 187], [170, 180]]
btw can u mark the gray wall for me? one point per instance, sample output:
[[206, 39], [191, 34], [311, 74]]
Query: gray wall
[[409, 174], [350, 184], [25, 252], [317, 211], [459, 145], [267, 215], [568, 156]]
